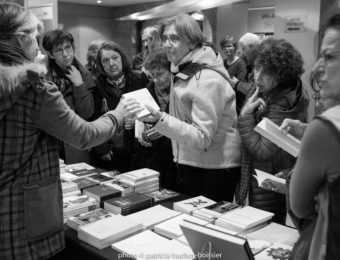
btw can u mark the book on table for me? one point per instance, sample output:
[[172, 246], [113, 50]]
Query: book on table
[[154, 215], [272, 131], [242, 219], [189, 205], [106, 231], [270, 182], [123, 187], [128, 204], [144, 97], [138, 176], [101, 193], [207, 242], [88, 217], [68, 186], [100, 178], [162, 195], [84, 183], [274, 252], [148, 245], [73, 205]]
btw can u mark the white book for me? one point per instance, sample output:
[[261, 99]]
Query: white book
[[171, 228], [154, 215], [272, 131], [270, 182], [143, 97], [79, 166], [244, 218], [148, 245], [189, 205], [138, 176]]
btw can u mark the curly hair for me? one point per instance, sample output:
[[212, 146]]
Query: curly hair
[[279, 59], [157, 58]]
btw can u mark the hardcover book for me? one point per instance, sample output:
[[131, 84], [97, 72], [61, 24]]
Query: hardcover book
[[88, 217], [272, 131], [128, 204], [270, 182], [143, 97]]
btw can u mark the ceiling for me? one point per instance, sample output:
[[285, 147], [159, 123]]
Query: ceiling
[[112, 2]]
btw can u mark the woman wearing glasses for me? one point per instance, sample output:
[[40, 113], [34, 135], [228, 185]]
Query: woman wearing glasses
[[202, 117], [315, 181], [73, 81]]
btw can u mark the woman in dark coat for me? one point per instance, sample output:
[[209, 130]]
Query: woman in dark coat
[[276, 93]]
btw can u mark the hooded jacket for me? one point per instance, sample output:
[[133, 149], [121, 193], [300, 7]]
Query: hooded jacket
[[32, 113], [202, 121]]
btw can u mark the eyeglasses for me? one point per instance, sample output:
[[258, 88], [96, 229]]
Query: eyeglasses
[[67, 48], [173, 38]]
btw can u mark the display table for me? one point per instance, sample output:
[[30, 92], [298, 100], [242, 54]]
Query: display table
[[76, 249]]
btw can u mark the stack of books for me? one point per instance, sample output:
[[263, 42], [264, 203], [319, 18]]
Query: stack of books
[[84, 183], [106, 231], [101, 193], [128, 204], [143, 180], [75, 171], [192, 204], [100, 178], [215, 211], [69, 188], [148, 245], [171, 228], [243, 219], [124, 188], [154, 215], [74, 205], [88, 217]]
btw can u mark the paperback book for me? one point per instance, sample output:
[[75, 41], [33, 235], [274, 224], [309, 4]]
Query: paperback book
[[189, 205], [138, 176], [162, 195], [124, 188], [270, 182], [74, 205], [272, 131], [101, 193], [84, 183]]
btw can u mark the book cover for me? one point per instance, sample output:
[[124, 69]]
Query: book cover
[[67, 186], [138, 176], [88, 217], [143, 97], [100, 178], [73, 205], [123, 187], [84, 183], [272, 131], [270, 182], [189, 205], [162, 194], [274, 252], [128, 204]]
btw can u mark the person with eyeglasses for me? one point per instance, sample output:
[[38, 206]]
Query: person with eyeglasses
[[235, 66], [115, 78], [33, 116], [74, 81], [202, 119]]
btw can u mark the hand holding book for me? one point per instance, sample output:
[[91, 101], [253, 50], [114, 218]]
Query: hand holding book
[[294, 127]]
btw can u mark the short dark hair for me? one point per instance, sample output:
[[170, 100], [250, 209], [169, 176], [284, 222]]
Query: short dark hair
[[278, 58], [54, 38], [228, 39], [109, 45], [157, 58]]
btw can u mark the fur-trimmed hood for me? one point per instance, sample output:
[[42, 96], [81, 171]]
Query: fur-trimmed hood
[[14, 80]]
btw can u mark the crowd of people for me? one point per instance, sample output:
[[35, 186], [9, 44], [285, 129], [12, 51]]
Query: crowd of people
[[202, 140]]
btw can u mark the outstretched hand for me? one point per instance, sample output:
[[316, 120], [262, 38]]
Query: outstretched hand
[[254, 102], [129, 108]]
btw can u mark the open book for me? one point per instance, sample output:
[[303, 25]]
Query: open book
[[143, 97], [270, 182], [272, 131]]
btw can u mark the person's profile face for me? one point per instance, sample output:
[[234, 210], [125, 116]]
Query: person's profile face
[[30, 46], [112, 63], [63, 54], [263, 80], [177, 47], [328, 66]]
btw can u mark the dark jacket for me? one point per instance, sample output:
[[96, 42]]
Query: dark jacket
[[32, 113], [260, 153], [107, 96]]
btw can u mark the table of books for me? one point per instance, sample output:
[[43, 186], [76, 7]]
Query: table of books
[[76, 249]]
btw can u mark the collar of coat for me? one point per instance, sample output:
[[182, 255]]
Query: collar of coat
[[13, 78]]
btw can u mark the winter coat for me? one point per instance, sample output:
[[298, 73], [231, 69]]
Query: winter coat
[[260, 153], [32, 113], [202, 121]]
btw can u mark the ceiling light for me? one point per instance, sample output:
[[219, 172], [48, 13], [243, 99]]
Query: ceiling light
[[99, 1]]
